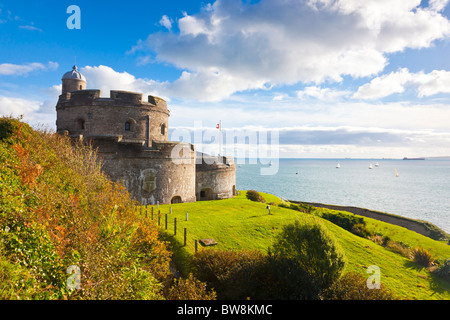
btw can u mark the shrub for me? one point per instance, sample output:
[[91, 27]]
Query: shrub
[[284, 279], [229, 273], [57, 209], [444, 270], [349, 222], [302, 207], [422, 257], [189, 289], [308, 242], [252, 275], [255, 196], [353, 286]]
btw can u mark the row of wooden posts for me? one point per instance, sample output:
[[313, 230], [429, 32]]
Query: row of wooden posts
[[145, 209]]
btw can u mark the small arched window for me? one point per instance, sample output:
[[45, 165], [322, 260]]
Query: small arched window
[[128, 126], [163, 129], [81, 87]]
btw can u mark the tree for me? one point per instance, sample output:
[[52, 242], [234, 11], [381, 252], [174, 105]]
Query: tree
[[310, 244]]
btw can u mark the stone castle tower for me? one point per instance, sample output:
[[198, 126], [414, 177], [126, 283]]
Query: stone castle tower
[[132, 139]]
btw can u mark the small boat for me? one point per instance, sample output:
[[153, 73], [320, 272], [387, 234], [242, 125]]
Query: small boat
[[271, 163], [370, 166], [296, 172], [377, 164], [338, 165], [396, 173]]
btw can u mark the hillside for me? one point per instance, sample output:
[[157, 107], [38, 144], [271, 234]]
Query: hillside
[[239, 224], [59, 213]]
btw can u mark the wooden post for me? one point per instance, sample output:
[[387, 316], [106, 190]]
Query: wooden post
[[195, 245], [185, 236], [146, 210], [174, 226], [152, 213], [159, 219], [166, 221]]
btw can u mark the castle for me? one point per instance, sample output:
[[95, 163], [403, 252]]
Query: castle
[[131, 136]]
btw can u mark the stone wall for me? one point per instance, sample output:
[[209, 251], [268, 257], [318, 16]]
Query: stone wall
[[154, 175], [124, 113], [215, 178]]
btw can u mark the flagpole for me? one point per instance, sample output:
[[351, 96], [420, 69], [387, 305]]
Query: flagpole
[[220, 139]]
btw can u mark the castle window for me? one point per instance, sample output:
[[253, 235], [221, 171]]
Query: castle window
[[163, 129], [81, 124], [81, 87], [127, 126]]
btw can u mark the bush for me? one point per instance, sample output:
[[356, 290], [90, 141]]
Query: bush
[[422, 257], [189, 289], [252, 275], [353, 286], [302, 207], [444, 270], [229, 273], [255, 196], [349, 222], [57, 209], [308, 242]]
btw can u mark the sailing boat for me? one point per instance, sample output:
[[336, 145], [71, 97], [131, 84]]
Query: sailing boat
[[370, 166], [377, 164], [338, 165], [396, 173]]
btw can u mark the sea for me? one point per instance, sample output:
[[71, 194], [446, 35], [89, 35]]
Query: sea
[[417, 189]]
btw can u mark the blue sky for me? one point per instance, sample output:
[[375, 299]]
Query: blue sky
[[335, 78]]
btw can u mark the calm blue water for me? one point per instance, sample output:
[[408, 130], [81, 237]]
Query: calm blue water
[[421, 191]]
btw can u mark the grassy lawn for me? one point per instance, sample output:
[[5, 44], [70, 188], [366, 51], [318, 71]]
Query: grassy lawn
[[239, 223]]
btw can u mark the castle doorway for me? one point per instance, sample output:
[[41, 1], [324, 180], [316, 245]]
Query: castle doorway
[[176, 199], [206, 194]]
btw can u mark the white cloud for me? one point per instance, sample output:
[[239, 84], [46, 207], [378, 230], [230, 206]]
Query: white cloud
[[324, 94], [232, 46], [166, 22], [426, 84], [105, 78], [24, 69], [17, 106], [30, 28]]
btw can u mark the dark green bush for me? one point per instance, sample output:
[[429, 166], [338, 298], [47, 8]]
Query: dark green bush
[[353, 286], [444, 270], [302, 207], [349, 222], [255, 196], [252, 275], [313, 247]]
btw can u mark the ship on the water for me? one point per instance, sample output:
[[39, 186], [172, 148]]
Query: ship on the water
[[406, 158]]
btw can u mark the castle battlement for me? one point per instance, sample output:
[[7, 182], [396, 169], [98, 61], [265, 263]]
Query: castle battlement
[[117, 98], [131, 136]]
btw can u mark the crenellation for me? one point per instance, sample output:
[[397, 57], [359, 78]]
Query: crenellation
[[131, 136]]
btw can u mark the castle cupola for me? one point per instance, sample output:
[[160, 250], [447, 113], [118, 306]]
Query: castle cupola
[[73, 81]]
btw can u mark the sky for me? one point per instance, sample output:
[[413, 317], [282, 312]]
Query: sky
[[332, 78]]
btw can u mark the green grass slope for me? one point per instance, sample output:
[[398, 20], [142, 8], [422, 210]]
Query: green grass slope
[[239, 223]]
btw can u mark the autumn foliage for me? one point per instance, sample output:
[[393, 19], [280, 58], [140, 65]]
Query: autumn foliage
[[58, 209]]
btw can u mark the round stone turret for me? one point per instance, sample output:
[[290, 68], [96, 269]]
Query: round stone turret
[[73, 81]]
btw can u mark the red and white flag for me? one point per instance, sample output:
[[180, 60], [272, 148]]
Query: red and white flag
[[218, 126]]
